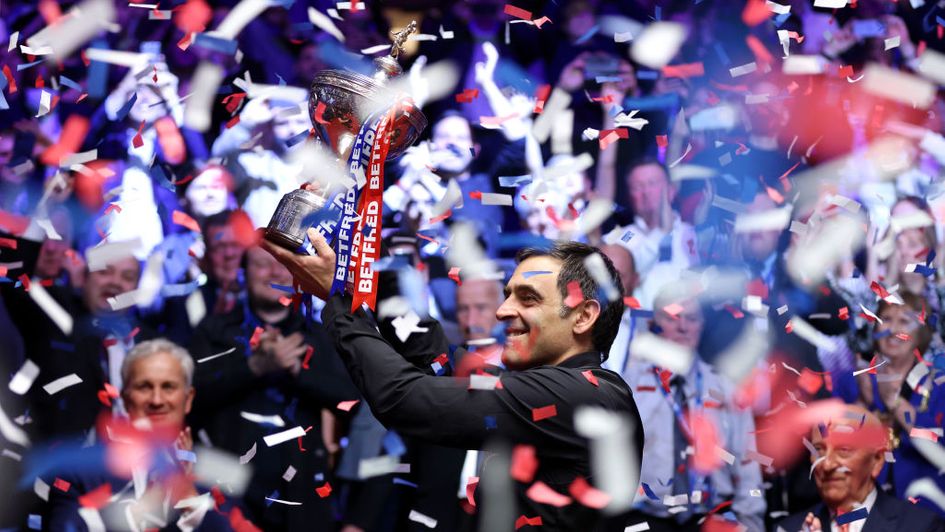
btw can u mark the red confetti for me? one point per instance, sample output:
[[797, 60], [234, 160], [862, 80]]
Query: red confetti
[[183, 219], [319, 113], [471, 490], [575, 295], [193, 16], [111, 390], [11, 83], [543, 494], [309, 351], [8, 243], [524, 463], [112, 207], [588, 495], [810, 381], [440, 218], [137, 141], [544, 412], [254, 340], [686, 70], [755, 12], [324, 491], [61, 485], [25, 281], [705, 442], [233, 101], [631, 302], [673, 309], [467, 96], [96, 498], [527, 521], [789, 327], [541, 96], [845, 71], [591, 378], [454, 275], [346, 406], [70, 140], [665, 376], [762, 55], [517, 12], [476, 194], [233, 121]]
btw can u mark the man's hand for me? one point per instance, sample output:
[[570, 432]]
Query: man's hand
[[811, 523], [276, 353], [314, 273]]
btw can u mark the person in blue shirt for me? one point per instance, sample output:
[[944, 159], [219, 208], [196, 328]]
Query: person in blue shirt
[[904, 390]]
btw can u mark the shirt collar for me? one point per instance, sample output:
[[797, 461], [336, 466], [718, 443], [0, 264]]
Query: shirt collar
[[581, 360], [867, 503]]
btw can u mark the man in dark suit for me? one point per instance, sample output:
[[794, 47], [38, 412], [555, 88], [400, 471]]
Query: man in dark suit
[[848, 456], [558, 330], [263, 369]]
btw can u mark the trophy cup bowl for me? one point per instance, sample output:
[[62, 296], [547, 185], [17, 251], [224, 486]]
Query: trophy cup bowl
[[348, 99]]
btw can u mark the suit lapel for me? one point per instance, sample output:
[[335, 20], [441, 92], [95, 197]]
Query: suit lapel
[[881, 518]]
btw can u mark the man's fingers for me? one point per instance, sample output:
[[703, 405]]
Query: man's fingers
[[321, 246]]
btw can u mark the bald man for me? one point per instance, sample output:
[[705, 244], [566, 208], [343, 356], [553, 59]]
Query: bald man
[[624, 262], [848, 456]]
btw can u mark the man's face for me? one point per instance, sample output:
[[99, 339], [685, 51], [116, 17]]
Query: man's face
[[117, 278], [476, 304], [262, 270], [52, 256], [208, 193], [852, 458], [650, 191], [623, 262], [452, 145], [536, 334], [157, 389], [759, 245], [7, 175], [683, 328], [224, 254]]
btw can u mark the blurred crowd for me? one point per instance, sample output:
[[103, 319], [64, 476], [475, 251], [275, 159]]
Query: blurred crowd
[[765, 176]]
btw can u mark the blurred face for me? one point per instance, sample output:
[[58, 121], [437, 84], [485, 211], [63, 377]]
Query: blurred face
[[285, 126], [912, 245], [902, 323], [851, 461], [224, 254], [157, 389], [476, 304], [208, 193], [117, 278], [262, 270], [536, 334], [308, 64], [759, 245], [650, 190], [52, 256], [452, 145], [623, 262], [684, 328]]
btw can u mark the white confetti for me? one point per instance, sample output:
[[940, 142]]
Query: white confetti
[[898, 86], [726, 456], [377, 466], [830, 4], [612, 454], [93, 519], [51, 307], [240, 16], [743, 69], [280, 501], [14, 38], [778, 8], [424, 520], [770, 220], [289, 474], [218, 355], [624, 36], [932, 65], [375, 49], [800, 65], [871, 368], [99, 257], [274, 419], [215, 467], [248, 455], [482, 382], [446, 34], [892, 42], [82, 23], [61, 383], [11, 432], [658, 43], [663, 353], [24, 378], [492, 198], [284, 436], [325, 24], [205, 81], [639, 527]]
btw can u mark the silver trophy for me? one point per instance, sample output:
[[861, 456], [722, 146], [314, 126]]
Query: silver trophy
[[348, 98]]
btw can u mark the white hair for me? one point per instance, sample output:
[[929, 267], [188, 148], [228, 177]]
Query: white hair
[[154, 347]]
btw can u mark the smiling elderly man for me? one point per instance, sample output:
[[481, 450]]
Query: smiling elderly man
[[849, 456], [555, 341]]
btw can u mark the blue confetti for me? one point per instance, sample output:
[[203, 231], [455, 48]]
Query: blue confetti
[[627, 236], [123, 112], [69, 83], [587, 36], [282, 287], [529, 275], [649, 492], [490, 423], [608, 79], [398, 480], [514, 180], [186, 456], [36, 522], [297, 138], [28, 65], [855, 515], [393, 444], [881, 334], [273, 495], [210, 42], [648, 74]]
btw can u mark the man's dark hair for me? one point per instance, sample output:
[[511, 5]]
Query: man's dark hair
[[647, 161], [572, 256]]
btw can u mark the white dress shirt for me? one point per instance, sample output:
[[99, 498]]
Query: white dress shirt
[[856, 526]]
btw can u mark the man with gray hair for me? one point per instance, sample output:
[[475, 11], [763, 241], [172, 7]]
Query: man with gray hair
[[158, 376]]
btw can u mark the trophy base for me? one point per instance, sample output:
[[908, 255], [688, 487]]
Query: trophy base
[[283, 240]]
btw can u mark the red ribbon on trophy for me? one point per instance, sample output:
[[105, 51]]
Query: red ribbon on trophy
[[366, 247]]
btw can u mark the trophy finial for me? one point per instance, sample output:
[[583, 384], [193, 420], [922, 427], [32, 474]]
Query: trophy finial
[[400, 37]]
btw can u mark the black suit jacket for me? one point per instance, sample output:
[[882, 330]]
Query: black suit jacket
[[889, 514], [408, 399]]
